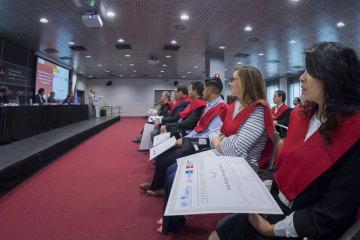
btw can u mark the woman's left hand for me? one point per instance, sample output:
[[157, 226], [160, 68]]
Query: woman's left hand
[[261, 225]]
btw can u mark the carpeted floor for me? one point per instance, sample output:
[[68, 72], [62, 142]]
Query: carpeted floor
[[92, 193]]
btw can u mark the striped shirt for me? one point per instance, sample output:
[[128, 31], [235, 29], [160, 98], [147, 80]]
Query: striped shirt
[[250, 140]]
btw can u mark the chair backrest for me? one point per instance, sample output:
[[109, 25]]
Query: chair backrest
[[350, 233], [276, 136], [12, 99]]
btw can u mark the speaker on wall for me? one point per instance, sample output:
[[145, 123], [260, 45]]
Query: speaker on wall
[[175, 83], [109, 83]]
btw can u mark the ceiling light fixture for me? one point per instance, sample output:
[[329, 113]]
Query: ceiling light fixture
[[134, 70], [81, 72], [88, 56], [127, 55], [99, 65], [292, 41], [222, 47], [107, 71], [188, 72], [131, 64], [161, 71], [121, 40], [261, 54], [168, 56], [184, 17], [44, 20], [248, 29], [196, 67], [183, 76], [270, 75], [340, 24], [71, 43], [110, 14], [90, 76], [239, 62], [120, 75], [173, 42], [289, 61], [164, 65], [225, 69]]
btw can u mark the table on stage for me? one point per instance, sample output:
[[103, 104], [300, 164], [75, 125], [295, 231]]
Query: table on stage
[[24, 121]]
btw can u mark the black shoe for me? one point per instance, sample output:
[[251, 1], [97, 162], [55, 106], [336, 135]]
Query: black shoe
[[136, 140], [144, 150], [154, 162]]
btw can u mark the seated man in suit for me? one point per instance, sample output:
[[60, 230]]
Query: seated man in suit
[[3, 93], [39, 98], [166, 106], [296, 101], [51, 98], [67, 99], [209, 121], [281, 112]]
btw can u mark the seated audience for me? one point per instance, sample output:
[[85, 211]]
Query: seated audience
[[209, 120], [3, 93], [280, 112], [317, 170], [248, 135], [296, 101], [166, 105], [39, 98], [67, 99], [51, 98]]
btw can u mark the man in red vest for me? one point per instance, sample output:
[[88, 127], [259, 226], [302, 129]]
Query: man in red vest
[[280, 112], [209, 121]]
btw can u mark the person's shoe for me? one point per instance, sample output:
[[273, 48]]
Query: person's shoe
[[154, 162], [159, 229], [144, 117], [160, 222], [145, 186], [157, 193], [136, 140]]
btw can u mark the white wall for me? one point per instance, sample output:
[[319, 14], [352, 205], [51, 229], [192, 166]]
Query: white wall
[[135, 96]]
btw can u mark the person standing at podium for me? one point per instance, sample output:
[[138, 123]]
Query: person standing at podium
[[39, 98], [3, 92], [91, 106]]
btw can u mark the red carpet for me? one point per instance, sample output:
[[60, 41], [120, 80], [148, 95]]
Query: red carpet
[[92, 193]]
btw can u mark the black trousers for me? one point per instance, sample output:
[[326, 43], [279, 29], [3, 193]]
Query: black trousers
[[164, 161]]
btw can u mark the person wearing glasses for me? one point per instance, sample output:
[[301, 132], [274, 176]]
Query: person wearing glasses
[[316, 182], [245, 131], [3, 93]]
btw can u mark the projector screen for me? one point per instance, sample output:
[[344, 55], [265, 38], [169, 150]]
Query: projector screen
[[52, 78]]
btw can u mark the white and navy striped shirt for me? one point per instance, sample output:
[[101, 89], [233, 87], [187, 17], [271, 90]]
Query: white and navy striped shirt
[[250, 140]]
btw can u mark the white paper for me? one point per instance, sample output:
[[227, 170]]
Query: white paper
[[161, 138], [202, 141], [162, 147], [146, 143], [152, 112], [218, 185], [279, 125], [153, 119], [208, 153]]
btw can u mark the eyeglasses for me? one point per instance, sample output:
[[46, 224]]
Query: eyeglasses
[[232, 79]]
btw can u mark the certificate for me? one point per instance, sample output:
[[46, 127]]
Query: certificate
[[218, 185], [208, 153], [151, 112], [161, 138], [162, 147], [153, 119]]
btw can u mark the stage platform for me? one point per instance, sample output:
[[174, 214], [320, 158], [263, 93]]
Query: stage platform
[[21, 159]]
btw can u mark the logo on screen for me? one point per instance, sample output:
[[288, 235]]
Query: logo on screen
[[2, 72]]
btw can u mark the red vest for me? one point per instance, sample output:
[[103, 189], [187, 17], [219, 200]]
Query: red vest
[[294, 156], [209, 115], [168, 103], [186, 98], [230, 127], [191, 107], [279, 112], [173, 106]]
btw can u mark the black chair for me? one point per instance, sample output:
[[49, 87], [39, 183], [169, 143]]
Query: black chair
[[13, 99]]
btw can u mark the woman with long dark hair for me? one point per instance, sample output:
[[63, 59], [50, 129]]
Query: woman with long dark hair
[[316, 179]]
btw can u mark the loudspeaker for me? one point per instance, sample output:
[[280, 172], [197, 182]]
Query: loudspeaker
[[109, 83], [175, 83]]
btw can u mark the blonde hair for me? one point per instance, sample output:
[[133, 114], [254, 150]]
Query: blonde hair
[[160, 101], [251, 85]]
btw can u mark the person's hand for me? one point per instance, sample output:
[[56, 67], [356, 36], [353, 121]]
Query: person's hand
[[216, 143], [261, 225], [178, 143], [156, 124], [163, 129], [275, 123]]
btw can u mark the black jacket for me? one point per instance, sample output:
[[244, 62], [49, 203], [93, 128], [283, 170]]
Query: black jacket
[[327, 207], [188, 122], [37, 99], [3, 99], [283, 119], [173, 116], [164, 110]]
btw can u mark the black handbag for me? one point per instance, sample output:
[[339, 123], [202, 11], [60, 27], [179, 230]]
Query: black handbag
[[194, 145]]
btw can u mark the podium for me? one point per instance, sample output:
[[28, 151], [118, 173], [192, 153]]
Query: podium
[[96, 103]]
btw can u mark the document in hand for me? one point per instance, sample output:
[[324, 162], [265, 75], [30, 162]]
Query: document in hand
[[161, 138], [218, 185], [151, 112], [279, 125], [162, 147], [153, 119]]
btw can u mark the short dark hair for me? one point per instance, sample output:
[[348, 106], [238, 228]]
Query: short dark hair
[[222, 96], [215, 83], [183, 88], [52, 93], [281, 94], [298, 99], [198, 87], [3, 89], [68, 95], [40, 90]]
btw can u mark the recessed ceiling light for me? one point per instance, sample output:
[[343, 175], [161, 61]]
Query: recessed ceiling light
[[168, 56], [120, 75], [90, 76], [161, 71], [222, 47], [81, 72], [183, 76], [270, 75], [188, 72], [43, 20], [225, 69], [164, 65], [340, 24], [184, 17], [88, 56], [248, 29], [71, 43], [99, 65], [110, 14], [288, 71], [239, 62], [292, 41], [107, 71], [121, 40], [289, 61], [173, 42], [131, 64], [265, 67], [196, 67], [134, 70], [295, 0], [261, 54]]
